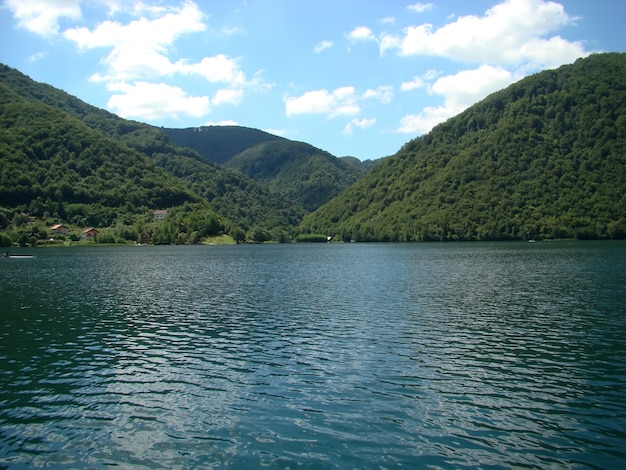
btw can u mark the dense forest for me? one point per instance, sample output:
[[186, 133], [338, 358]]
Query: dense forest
[[64, 161], [219, 143], [296, 170], [543, 158]]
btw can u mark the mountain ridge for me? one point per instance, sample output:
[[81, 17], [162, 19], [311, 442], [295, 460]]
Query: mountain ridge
[[543, 158]]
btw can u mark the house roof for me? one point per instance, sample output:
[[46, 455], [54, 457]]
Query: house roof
[[57, 226]]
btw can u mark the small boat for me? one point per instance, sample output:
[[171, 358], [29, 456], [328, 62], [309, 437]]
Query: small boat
[[8, 255]]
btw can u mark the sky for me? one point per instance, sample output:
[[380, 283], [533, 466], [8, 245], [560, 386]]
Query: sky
[[351, 77]]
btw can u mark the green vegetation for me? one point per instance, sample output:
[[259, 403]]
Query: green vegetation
[[297, 171], [64, 161], [544, 158], [219, 143]]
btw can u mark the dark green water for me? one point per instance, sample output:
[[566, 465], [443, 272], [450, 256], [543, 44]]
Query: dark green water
[[315, 356]]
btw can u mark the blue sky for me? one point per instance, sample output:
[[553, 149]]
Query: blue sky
[[352, 77]]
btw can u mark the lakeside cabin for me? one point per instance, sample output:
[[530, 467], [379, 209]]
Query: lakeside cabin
[[59, 229], [89, 234]]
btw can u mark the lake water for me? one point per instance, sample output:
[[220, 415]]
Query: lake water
[[315, 356]]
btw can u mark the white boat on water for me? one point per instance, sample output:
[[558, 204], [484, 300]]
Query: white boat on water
[[7, 255]]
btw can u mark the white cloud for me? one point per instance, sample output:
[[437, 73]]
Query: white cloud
[[231, 31], [459, 91], [35, 57], [511, 32], [341, 101], [155, 100], [214, 69], [361, 33], [227, 95], [420, 7], [139, 56], [384, 94], [139, 49], [360, 123], [388, 20], [42, 16], [322, 46], [416, 82]]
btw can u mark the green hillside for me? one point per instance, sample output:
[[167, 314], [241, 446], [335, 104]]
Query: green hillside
[[34, 118], [544, 158], [55, 169], [64, 161], [298, 171], [219, 143]]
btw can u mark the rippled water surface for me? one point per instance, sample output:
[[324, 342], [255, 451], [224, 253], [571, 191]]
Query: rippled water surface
[[315, 356]]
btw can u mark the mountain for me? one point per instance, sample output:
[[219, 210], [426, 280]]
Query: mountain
[[543, 158], [219, 143], [298, 171], [59, 152]]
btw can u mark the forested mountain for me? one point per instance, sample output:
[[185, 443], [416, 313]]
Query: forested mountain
[[304, 174], [300, 172], [543, 158], [219, 143], [66, 161]]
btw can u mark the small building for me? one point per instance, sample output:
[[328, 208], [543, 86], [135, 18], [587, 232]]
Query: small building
[[160, 214], [144, 238], [59, 229], [89, 233]]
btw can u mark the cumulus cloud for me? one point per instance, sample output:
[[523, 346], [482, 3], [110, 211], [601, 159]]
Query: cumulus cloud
[[459, 91], [42, 16], [139, 48], [322, 46], [154, 100], [139, 59], [342, 101], [420, 7], [416, 82], [360, 123], [361, 33], [219, 68], [227, 95], [384, 94], [511, 32]]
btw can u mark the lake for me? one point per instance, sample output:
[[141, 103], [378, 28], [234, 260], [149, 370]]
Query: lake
[[316, 356]]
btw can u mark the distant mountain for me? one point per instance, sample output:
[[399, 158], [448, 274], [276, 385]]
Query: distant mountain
[[304, 174], [543, 158], [219, 143], [298, 171]]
